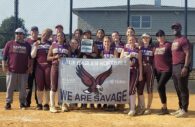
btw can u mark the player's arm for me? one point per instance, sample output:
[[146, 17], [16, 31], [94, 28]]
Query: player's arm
[[50, 55], [140, 66]]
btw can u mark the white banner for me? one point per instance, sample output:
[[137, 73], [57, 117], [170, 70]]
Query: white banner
[[103, 81]]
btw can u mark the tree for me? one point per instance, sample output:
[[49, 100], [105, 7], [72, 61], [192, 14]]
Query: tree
[[7, 29]]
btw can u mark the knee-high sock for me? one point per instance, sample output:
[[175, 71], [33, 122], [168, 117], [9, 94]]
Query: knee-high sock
[[40, 97], [46, 97], [132, 102], [142, 101], [52, 98]]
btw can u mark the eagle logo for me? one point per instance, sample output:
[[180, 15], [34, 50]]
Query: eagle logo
[[94, 84]]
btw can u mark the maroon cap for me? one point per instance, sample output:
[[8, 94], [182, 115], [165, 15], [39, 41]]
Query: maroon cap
[[59, 26], [176, 25]]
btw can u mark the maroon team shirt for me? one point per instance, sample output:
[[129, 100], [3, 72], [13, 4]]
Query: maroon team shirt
[[179, 45], [132, 55], [42, 52], [163, 57], [118, 47], [108, 54], [17, 55], [30, 41], [59, 49]]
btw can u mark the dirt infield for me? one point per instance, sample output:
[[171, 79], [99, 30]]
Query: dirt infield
[[96, 118]]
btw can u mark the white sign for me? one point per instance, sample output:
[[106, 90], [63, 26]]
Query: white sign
[[103, 81], [86, 45]]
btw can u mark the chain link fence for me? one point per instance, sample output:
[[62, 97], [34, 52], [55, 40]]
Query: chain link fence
[[49, 13]]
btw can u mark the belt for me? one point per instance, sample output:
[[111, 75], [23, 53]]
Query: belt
[[133, 67], [145, 64]]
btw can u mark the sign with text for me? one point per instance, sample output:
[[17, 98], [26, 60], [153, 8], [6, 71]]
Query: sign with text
[[86, 45], [103, 81]]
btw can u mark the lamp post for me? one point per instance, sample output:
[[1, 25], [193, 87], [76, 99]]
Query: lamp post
[[128, 13], [16, 13], [186, 19], [70, 25]]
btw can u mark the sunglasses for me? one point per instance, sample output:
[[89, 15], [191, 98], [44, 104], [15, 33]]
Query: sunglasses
[[19, 33]]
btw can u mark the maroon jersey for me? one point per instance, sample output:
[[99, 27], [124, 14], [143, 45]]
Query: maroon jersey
[[163, 57], [108, 54], [42, 52], [132, 55], [59, 49], [179, 45], [118, 47], [17, 55], [30, 41], [147, 54]]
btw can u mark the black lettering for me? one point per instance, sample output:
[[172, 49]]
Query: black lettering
[[77, 97], [113, 98], [83, 97], [119, 96], [69, 95], [88, 97], [102, 98], [96, 98], [108, 97], [124, 95]]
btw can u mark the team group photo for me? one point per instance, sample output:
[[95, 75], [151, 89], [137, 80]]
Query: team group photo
[[99, 74]]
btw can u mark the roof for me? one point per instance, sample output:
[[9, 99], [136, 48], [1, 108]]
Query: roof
[[137, 7]]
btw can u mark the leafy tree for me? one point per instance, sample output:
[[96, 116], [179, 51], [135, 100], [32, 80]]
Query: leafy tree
[[7, 29]]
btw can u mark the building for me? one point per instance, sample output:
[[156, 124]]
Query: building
[[144, 18]]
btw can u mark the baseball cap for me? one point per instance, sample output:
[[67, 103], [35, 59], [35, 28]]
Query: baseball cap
[[176, 25], [34, 28], [59, 26], [145, 35], [160, 33], [20, 30]]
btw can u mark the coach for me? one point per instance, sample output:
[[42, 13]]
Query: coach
[[181, 61], [16, 54]]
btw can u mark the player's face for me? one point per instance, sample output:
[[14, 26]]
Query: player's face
[[160, 38], [146, 40], [100, 34], [106, 43], [115, 37], [130, 32], [59, 30], [60, 37], [77, 34], [34, 34], [176, 30], [131, 40], [86, 36], [19, 36], [74, 44]]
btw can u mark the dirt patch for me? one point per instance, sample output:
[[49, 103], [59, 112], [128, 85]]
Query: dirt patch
[[93, 118]]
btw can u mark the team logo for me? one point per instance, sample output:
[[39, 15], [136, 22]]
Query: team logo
[[94, 84]]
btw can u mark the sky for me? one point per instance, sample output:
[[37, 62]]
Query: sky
[[49, 13]]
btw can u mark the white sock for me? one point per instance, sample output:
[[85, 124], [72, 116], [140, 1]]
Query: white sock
[[52, 98], [132, 102]]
